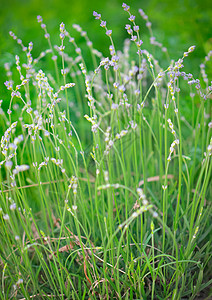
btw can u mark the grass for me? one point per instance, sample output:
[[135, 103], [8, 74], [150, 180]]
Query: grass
[[105, 173]]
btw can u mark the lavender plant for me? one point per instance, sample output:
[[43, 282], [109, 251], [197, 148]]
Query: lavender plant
[[105, 181]]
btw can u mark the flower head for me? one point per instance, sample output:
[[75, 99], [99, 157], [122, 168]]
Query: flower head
[[109, 32], [136, 28], [103, 24], [39, 19], [131, 18], [126, 7], [96, 15]]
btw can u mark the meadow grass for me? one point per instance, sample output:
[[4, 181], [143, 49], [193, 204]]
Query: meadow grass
[[105, 171]]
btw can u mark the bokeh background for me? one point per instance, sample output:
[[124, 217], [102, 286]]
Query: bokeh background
[[178, 24]]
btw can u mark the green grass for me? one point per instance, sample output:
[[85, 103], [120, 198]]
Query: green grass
[[105, 174]]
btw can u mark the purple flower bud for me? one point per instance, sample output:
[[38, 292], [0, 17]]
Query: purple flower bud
[[139, 52], [109, 32], [11, 33], [136, 28], [115, 58], [62, 36], [96, 15], [103, 24], [133, 38], [39, 19], [89, 44], [125, 7], [128, 27], [141, 12], [139, 43], [62, 26], [131, 18], [191, 49]]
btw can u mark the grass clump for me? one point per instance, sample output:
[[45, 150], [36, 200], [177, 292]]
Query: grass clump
[[105, 172]]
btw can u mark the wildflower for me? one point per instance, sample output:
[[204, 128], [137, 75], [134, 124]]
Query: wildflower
[[6, 217], [171, 149], [77, 27], [13, 183], [142, 196], [133, 125], [73, 184], [123, 133], [137, 92], [12, 146], [114, 106], [135, 214], [89, 43], [62, 27], [133, 38], [110, 143], [20, 168], [191, 49], [122, 88], [78, 50], [139, 43], [9, 84], [141, 12], [129, 31], [136, 28], [131, 18], [96, 15], [39, 19], [112, 50], [116, 84], [103, 24], [109, 32], [13, 206], [126, 7], [62, 36], [8, 164]]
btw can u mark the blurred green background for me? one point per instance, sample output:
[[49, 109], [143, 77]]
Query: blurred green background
[[177, 24]]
